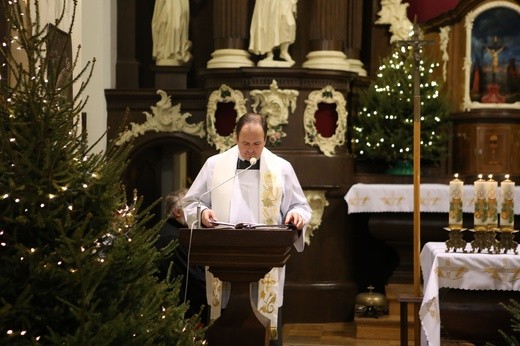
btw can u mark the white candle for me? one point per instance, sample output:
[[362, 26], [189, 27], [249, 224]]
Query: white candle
[[456, 197], [491, 201], [480, 214], [507, 210]]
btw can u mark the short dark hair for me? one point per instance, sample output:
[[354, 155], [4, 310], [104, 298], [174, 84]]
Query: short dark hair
[[251, 118]]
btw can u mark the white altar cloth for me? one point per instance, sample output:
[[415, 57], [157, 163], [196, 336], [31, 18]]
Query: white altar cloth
[[470, 271], [374, 198]]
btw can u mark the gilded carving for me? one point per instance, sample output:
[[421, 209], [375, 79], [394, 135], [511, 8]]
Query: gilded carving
[[164, 118], [312, 137], [393, 12], [444, 36], [318, 202], [224, 94], [275, 104]]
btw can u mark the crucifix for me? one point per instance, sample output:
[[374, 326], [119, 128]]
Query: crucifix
[[416, 44]]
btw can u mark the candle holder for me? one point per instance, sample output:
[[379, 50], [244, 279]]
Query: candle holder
[[455, 241], [484, 240], [506, 241], [493, 227]]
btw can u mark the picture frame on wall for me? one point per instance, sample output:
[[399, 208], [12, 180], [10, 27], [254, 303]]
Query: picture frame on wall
[[59, 60], [492, 68]]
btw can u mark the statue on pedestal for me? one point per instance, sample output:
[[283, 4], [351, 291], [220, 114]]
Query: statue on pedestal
[[170, 27], [273, 26], [393, 12]]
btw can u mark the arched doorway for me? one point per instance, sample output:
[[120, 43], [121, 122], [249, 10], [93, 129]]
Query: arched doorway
[[158, 167]]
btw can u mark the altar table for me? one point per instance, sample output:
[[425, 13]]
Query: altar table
[[434, 198], [468, 271]]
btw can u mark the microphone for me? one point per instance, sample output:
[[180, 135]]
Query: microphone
[[252, 162]]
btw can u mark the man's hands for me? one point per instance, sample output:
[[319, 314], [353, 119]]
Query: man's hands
[[208, 216], [295, 218]]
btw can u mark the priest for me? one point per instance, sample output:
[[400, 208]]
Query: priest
[[266, 192]]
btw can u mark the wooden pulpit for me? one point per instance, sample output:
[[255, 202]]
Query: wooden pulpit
[[240, 256]]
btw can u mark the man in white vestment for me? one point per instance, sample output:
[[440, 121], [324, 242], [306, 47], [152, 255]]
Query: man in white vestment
[[268, 192]]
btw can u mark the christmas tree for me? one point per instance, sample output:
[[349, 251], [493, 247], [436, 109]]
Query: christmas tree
[[77, 263], [383, 127], [513, 308]]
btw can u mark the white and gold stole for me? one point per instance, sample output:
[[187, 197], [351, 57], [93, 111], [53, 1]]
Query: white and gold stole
[[270, 199]]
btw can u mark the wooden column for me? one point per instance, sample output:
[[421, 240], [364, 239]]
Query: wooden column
[[230, 31], [328, 34], [127, 66], [354, 36], [230, 27], [328, 30]]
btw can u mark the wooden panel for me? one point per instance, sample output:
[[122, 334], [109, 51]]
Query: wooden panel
[[460, 322], [516, 149], [319, 285], [493, 149], [486, 141], [464, 142]]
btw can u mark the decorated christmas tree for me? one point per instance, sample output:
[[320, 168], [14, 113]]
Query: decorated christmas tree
[[513, 308], [77, 263], [383, 127]]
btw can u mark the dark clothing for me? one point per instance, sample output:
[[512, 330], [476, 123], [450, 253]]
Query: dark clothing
[[243, 164], [196, 296]]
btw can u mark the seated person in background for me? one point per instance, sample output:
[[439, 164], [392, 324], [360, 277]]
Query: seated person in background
[[196, 290]]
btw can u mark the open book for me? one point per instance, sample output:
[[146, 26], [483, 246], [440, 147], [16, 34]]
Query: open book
[[249, 225]]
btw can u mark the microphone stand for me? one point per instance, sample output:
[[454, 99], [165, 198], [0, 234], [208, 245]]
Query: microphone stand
[[252, 162]]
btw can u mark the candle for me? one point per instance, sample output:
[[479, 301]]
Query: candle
[[456, 194], [507, 210], [480, 214], [491, 201]]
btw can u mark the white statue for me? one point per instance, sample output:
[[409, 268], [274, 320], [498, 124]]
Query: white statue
[[393, 12], [273, 25], [170, 26]]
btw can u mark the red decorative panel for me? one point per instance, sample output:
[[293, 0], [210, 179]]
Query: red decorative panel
[[326, 119], [225, 116]]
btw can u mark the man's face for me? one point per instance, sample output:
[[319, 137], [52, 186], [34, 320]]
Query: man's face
[[251, 141]]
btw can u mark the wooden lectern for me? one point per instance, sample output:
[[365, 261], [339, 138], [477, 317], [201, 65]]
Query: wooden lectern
[[240, 256]]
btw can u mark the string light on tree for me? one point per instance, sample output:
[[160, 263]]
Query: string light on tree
[[386, 115], [59, 200]]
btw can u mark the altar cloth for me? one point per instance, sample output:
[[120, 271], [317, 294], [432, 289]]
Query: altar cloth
[[469, 271], [434, 198]]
